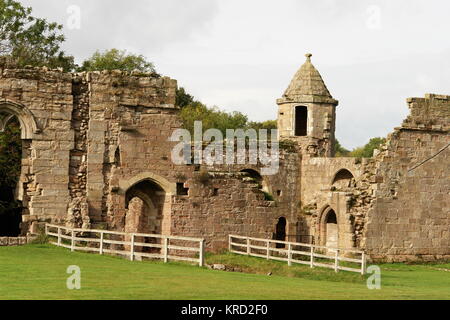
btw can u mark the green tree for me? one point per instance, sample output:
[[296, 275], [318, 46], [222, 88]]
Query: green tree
[[183, 98], [268, 124], [193, 110], [366, 151], [339, 150], [211, 118], [115, 59], [28, 40]]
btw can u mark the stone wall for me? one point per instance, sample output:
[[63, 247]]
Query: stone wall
[[230, 202], [97, 154], [410, 217], [15, 241], [42, 101]]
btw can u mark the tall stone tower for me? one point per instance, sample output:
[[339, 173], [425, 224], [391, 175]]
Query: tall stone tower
[[307, 112]]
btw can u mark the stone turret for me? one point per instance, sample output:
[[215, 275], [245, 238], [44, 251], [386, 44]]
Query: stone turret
[[307, 112]]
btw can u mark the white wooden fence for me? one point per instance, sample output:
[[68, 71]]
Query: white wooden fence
[[164, 248], [292, 251]]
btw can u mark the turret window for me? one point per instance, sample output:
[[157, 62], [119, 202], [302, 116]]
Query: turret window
[[301, 121]]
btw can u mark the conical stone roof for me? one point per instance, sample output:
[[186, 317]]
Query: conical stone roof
[[307, 86]]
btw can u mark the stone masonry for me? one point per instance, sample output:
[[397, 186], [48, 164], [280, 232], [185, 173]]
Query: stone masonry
[[96, 153]]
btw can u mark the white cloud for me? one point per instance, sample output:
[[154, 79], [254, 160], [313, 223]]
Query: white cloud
[[241, 55]]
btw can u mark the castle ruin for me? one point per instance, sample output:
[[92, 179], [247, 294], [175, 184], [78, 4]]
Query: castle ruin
[[96, 153]]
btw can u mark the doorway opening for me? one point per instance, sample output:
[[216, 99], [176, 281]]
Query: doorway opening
[[301, 121], [280, 232], [331, 229], [10, 170]]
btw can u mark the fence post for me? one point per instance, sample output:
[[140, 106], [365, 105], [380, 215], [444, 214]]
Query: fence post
[[336, 260], [312, 257], [46, 228], [229, 242], [248, 246], [132, 247], [101, 242], [289, 255], [201, 261], [166, 249], [59, 236], [268, 250], [363, 263], [72, 242]]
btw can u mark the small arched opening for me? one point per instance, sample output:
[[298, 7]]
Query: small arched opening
[[117, 159], [343, 179], [280, 231], [301, 121]]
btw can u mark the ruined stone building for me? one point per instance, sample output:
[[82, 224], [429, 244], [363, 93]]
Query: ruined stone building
[[96, 153]]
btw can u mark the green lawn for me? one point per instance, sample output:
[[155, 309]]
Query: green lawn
[[39, 272]]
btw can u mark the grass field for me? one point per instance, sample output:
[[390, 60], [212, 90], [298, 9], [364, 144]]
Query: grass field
[[39, 272]]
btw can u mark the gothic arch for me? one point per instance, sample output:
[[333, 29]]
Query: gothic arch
[[169, 187], [328, 215], [343, 177], [26, 119]]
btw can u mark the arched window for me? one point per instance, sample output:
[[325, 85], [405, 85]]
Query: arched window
[[301, 121], [343, 179]]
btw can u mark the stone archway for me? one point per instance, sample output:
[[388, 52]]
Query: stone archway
[[18, 126], [10, 171], [147, 211], [329, 228], [343, 180], [147, 207], [26, 119]]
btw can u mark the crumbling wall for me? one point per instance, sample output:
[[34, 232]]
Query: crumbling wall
[[78, 213], [131, 119], [410, 216], [220, 203], [42, 100], [319, 194]]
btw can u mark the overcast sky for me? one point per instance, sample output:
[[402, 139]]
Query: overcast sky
[[241, 55]]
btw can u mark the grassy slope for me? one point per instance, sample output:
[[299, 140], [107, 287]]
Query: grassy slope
[[39, 272]]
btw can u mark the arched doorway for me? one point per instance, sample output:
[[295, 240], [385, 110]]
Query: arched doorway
[[10, 171], [146, 208], [145, 203], [280, 231], [331, 229]]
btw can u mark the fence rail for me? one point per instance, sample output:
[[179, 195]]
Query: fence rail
[[292, 252], [129, 244]]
